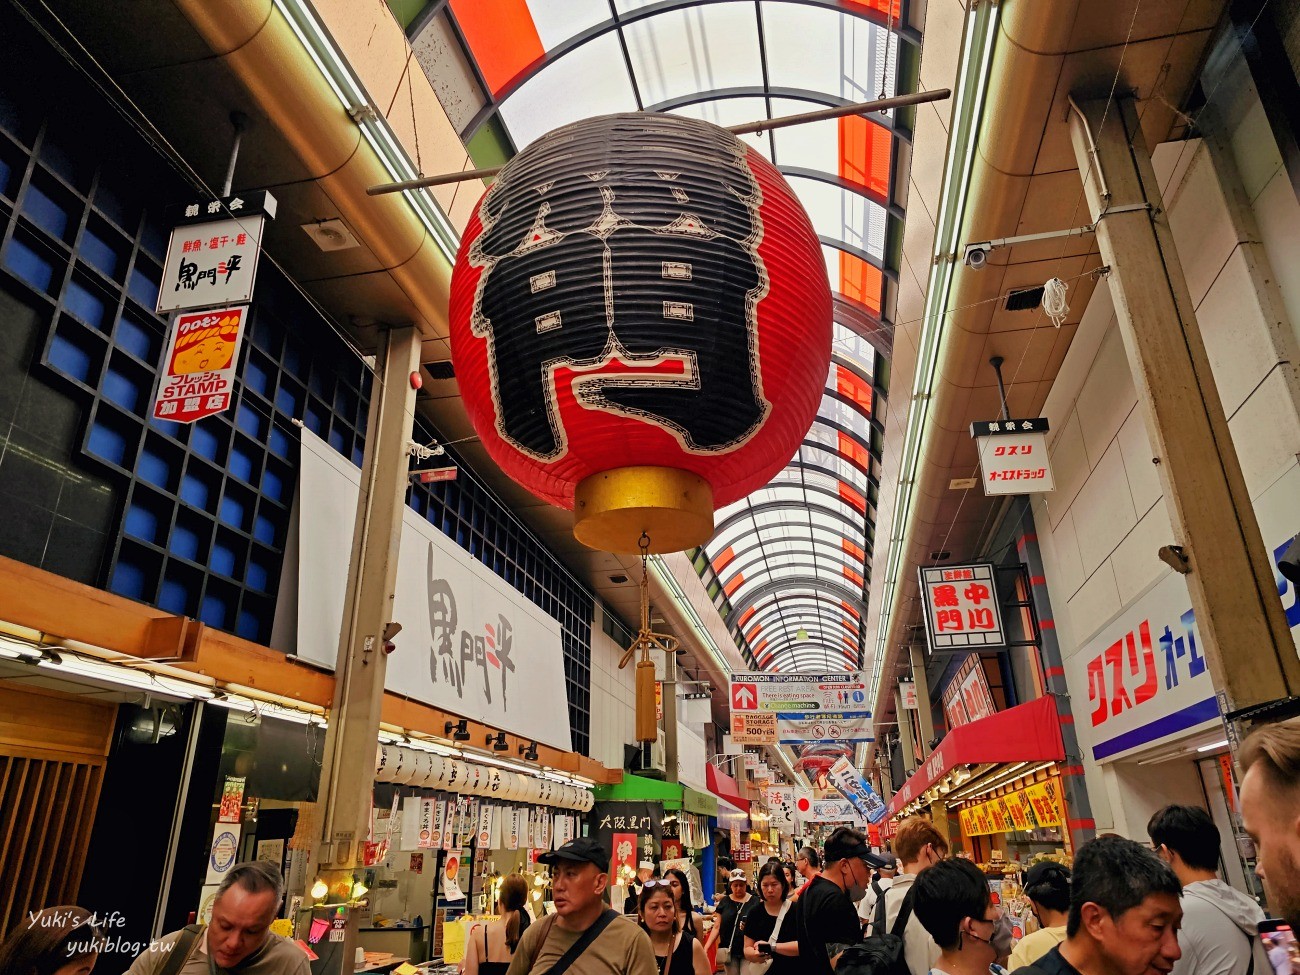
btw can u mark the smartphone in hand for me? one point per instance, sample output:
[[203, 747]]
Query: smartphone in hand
[[1281, 946]]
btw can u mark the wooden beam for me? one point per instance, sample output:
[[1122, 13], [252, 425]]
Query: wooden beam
[[66, 610]]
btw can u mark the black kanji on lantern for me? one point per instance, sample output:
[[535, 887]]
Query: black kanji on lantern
[[624, 248]]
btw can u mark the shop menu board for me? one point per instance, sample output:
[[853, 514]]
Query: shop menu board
[[1034, 806]]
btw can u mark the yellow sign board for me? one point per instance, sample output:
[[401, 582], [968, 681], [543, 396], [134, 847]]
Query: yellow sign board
[[753, 728]]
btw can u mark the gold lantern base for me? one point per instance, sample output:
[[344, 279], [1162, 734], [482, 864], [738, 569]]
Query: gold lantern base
[[613, 509]]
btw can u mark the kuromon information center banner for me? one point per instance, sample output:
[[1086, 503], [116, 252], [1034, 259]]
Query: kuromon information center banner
[[470, 643]]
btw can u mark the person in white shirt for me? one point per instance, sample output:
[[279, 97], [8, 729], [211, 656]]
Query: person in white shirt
[[918, 846], [951, 900], [879, 884], [1218, 936]]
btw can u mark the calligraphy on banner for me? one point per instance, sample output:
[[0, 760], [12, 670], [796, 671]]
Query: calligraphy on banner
[[848, 781], [615, 824]]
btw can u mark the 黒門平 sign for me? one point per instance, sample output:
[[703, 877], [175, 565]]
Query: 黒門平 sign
[[961, 608], [212, 254], [1013, 456]]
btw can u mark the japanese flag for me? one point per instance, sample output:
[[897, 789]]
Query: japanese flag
[[803, 802]]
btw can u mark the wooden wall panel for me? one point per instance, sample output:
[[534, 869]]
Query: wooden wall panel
[[52, 753]]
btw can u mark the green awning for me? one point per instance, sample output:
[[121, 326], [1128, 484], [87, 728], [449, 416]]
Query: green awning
[[638, 787], [700, 803]]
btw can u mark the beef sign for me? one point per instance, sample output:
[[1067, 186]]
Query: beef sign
[[640, 325]]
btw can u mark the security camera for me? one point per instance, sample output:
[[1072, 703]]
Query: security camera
[[977, 255], [1289, 564], [1175, 556]]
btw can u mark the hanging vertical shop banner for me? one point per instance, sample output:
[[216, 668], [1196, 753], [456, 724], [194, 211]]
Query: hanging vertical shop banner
[[907, 694], [643, 820], [1013, 456], [212, 253], [780, 802], [1044, 799], [514, 829], [471, 643], [848, 781], [1022, 813], [484, 837], [197, 375], [961, 608]]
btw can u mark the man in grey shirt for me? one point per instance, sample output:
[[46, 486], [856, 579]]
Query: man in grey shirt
[[1219, 922], [239, 935]]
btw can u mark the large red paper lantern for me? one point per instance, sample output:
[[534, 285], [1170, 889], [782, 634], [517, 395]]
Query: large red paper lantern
[[640, 324]]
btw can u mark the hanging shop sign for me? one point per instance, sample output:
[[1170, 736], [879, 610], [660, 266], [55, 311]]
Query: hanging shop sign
[[752, 760], [780, 801], [849, 783], [967, 697], [587, 280], [754, 728], [1013, 456], [212, 254], [822, 727], [961, 607], [197, 377], [627, 829], [907, 694], [835, 811], [799, 693], [1143, 680], [470, 644]]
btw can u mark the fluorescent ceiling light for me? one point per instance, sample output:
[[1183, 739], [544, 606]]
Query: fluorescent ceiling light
[[134, 678], [1212, 747], [968, 105]]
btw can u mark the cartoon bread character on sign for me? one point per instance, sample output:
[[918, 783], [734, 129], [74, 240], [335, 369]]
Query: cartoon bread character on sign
[[205, 344]]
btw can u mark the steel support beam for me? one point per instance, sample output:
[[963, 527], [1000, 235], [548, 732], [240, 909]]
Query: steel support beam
[[1247, 643]]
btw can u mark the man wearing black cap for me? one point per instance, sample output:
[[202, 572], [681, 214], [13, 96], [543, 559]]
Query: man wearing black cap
[[827, 915], [583, 936]]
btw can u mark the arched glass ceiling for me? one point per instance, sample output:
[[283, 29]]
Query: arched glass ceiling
[[794, 558]]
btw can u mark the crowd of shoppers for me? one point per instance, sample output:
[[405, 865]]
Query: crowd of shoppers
[[1123, 908]]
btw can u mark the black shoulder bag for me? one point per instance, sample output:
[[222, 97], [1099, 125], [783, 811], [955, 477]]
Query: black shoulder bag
[[582, 944]]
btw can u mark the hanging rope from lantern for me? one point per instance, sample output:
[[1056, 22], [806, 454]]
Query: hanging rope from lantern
[[647, 718]]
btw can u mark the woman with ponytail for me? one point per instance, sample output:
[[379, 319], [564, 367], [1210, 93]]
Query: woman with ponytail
[[490, 951]]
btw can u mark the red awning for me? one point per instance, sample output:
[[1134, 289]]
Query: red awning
[[724, 786], [1026, 733]]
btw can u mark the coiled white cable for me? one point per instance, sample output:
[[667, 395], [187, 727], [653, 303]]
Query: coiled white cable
[[1054, 301]]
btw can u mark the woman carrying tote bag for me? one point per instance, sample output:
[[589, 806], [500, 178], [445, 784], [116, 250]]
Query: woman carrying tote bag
[[765, 952]]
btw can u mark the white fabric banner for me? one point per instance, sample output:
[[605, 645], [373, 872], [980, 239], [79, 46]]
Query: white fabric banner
[[514, 828], [470, 643]]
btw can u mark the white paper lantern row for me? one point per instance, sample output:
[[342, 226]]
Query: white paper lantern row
[[415, 767]]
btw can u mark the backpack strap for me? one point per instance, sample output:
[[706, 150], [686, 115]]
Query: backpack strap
[[181, 950], [583, 943], [904, 913]]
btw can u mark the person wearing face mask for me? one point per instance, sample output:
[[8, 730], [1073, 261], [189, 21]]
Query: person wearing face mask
[[917, 846], [827, 915], [1124, 914], [951, 900]]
